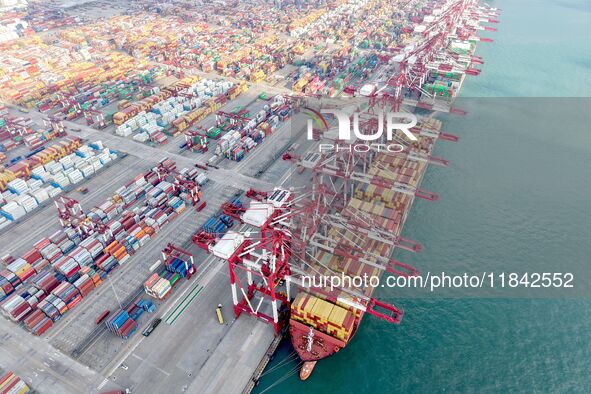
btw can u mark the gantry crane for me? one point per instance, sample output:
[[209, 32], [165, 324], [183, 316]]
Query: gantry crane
[[171, 252], [236, 119], [199, 134], [92, 116], [71, 215], [413, 64], [286, 227]]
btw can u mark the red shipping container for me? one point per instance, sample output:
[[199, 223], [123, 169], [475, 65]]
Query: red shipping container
[[75, 301], [8, 388], [72, 272], [16, 312], [7, 259], [41, 244], [6, 377], [34, 318], [101, 259], [125, 332], [126, 326], [27, 274], [40, 264], [46, 326]]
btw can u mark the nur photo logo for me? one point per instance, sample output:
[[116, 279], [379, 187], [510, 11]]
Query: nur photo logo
[[349, 130]]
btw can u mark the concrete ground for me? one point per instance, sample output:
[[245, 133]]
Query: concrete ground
[[42, 222], [193, 352], [190, 351], [41, 366]]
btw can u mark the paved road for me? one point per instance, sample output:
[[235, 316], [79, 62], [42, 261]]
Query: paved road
[[150, 153], [195, 353], [185, 349], [41, 366], [43, 222]]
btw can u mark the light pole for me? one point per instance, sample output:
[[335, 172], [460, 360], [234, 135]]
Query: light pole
[[115, 292]]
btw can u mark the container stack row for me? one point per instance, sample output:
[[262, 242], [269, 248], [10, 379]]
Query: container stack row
[[60, 270], [124, 322], [54, 72], [121, 324], [18, 131], [324, 316], [211, 103], [44, 182], [159, 285], [217, 225], [147, 36], [23, 167], [236, 143], [13, 384], [127, 110], [166, 116]]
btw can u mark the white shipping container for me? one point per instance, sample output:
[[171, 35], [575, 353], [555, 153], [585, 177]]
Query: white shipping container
[[40, 195]]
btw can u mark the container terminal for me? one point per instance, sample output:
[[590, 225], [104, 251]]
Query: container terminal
[[167, 171]]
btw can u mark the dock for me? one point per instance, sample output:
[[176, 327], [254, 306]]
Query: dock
[[232, 114]]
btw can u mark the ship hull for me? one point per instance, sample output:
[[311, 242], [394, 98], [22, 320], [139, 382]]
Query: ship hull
[[307, 369], [323, 344]]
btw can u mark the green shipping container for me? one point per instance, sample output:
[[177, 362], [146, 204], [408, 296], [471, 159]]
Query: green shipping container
[[174, 279]]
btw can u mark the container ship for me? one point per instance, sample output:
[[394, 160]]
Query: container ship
[[367, 196], [322, 322]]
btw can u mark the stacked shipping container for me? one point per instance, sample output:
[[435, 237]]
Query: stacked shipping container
[[45, 175], [173, 110], [80, 263], [323, 315], [13, 384], [236, 143], [123, 322], [159, 286]]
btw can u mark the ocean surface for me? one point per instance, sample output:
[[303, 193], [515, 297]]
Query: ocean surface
[[515, 198]]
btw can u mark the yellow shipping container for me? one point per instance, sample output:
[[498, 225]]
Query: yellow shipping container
[[24, 269], [321, 310], [337, 315], [302, 306]]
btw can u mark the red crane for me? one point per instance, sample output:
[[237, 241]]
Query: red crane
[[171, 252], [72, 215], [414, 64], [238, 118], [92, 116], [287, 225], [192, 134]]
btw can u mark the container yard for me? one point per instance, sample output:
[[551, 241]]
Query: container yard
[[158, 161], [11, 383], [38, 179]]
